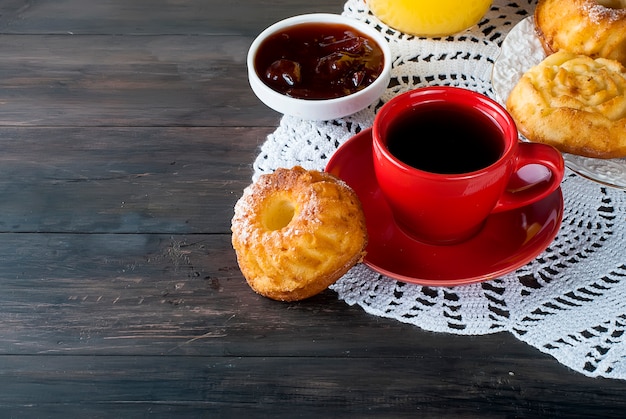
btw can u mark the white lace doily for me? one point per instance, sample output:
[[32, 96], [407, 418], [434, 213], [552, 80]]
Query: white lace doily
[[570, 302]]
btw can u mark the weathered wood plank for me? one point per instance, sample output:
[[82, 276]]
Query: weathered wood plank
[[279, 387], [115, 293], [152, 16], [127, 81], [121, 180]]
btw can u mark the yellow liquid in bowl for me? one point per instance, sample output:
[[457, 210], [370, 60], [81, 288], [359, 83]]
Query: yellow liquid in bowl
[[429, 17]]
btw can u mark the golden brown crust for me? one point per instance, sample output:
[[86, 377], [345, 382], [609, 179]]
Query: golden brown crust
[[596, 28], [296, 232], [574, 103]]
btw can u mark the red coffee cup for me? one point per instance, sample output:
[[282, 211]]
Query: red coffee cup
[[446, 158]]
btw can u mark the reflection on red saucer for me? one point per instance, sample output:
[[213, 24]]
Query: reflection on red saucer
[[508, 240]]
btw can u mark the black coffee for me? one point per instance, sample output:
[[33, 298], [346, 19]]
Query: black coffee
[[445, 138]]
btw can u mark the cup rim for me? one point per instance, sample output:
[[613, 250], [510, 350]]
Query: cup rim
[[487, 106]]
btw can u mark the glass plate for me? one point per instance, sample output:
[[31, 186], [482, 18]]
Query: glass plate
[[522, 50]]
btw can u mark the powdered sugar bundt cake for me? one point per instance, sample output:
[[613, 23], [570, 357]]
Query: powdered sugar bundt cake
[[296, 232], [596, 28]]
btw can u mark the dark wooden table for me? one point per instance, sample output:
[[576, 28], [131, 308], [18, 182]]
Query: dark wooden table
[[127, 133]]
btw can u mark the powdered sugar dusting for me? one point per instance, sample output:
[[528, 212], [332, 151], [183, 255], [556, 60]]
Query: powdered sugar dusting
[[245, 223], [602, 11], [243, 209]]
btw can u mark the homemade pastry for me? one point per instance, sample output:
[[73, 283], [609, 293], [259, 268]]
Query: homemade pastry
[[296, 232], [596, 28], [574, 103]]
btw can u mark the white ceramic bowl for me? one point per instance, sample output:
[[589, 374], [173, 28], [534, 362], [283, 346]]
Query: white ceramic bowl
[[320, 109]]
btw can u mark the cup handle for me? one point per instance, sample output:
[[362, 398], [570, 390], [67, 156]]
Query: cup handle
[[538, 173]]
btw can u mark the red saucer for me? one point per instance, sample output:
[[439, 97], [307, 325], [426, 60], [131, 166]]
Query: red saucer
[[508, 240]]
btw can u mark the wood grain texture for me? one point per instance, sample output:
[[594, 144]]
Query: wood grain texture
[[123, 180], [274, 386], [127, 133], [68, 80], [153, 17], [132, 323]]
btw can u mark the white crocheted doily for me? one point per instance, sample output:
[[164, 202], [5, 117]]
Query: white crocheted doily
[[570, 302]]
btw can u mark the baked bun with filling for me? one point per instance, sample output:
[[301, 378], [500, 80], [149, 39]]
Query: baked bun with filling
[[574, 103]]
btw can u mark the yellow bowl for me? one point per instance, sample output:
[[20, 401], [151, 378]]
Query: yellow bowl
[[429, 17]]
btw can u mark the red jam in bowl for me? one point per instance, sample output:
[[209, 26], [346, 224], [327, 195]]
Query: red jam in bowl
[[318, 61]]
